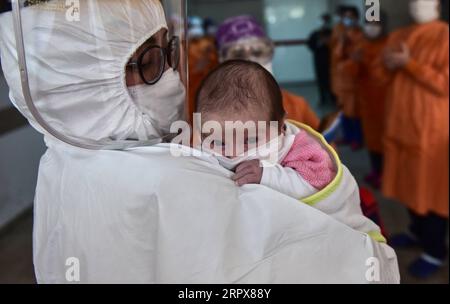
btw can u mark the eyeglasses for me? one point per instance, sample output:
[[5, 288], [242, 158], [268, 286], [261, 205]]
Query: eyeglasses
[[152, 61]]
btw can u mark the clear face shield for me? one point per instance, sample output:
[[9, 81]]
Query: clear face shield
[[81, 61]]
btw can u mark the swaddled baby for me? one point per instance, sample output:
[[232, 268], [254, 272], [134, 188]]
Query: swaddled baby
[[278, 155], [285, 156]]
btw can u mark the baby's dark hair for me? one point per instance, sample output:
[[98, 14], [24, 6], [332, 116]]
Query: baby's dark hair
[[238, 85]]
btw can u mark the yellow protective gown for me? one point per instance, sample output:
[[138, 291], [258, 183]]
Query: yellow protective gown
[[417, 127]]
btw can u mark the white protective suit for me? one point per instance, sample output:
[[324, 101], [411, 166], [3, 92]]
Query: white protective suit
[[142, 215]]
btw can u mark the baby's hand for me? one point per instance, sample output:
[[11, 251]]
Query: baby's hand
[[249, 172]]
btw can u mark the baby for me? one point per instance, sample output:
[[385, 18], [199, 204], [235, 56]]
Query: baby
[[305, 169], [242, 91]]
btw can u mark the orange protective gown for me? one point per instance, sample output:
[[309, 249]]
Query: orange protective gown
[[417, 127], [203, 58], [371, 94], [338, 30], [346, 84], [298, 109]]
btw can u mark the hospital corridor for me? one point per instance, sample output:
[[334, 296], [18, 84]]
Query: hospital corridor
[[88, 172]]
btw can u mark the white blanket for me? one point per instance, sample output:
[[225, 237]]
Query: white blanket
[[153, 218]]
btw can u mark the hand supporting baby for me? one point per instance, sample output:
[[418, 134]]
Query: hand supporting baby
[[248, 172]]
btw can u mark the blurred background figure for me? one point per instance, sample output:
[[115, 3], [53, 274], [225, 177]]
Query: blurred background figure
[[210, 27], [370, 93], [202, 53], [345, 81], [415, 68], [336, 34], [319, 43], [243, 37], [195, 27]]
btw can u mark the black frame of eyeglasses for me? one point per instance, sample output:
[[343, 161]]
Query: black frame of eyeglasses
[[165, 54]]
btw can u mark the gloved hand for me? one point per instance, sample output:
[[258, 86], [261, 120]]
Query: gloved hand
[[394, 60]]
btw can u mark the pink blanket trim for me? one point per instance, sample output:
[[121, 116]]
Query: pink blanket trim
[[311, 161]]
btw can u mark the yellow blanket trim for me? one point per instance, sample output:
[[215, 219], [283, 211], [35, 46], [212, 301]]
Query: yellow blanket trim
[[328, 190], [377, 237]]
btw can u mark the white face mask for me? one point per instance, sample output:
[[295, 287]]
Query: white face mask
[[373, 31], [269, 154], [196, 32], [163, 102], [424, 11], [349, 22], [267, 65]]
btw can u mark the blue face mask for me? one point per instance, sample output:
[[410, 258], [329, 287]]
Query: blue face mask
[[348, 22]]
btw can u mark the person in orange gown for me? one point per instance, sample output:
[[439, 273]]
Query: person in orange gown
[[242, 37], [345, 82], [203, 58], [297, 108], [371, 94], [336, 33], [415, 69]]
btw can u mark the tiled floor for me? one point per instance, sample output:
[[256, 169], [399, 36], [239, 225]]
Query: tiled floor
[[395, 218], [16, 249]]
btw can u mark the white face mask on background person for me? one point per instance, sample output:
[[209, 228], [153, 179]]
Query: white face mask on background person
[[196, 32], [373, 31], [163, 102], [268, 66], [424, 11], [349, 22]]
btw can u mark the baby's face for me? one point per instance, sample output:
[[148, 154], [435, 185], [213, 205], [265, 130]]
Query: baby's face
[[240, 132]]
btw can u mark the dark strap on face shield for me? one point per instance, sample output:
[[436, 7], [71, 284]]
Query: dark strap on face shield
[[77, 142]]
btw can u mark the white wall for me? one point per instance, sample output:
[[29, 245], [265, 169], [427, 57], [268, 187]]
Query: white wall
[[219, 10], [293, 19], [291, 64]]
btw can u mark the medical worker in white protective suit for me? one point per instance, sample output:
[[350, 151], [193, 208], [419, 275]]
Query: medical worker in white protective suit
[[140, 215]]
